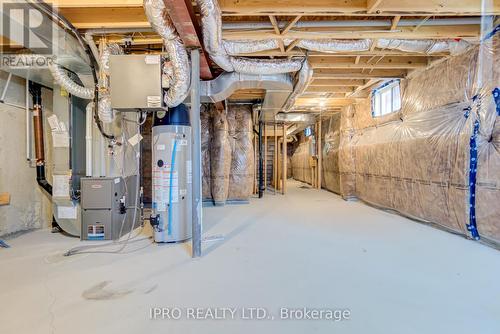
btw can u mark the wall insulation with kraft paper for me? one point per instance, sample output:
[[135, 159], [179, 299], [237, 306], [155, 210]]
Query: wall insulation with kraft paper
[[438, 158], [227, 153]]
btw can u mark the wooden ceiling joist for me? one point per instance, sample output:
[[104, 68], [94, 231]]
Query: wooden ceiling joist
[[96, 17], [356, 74], [424, 32], [336, 82], [355, 7], [330, 89], [365, 62]]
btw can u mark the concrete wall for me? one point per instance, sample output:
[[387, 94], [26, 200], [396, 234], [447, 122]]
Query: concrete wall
[[29, 208]]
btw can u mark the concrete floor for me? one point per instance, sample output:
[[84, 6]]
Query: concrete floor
[[307, 249]]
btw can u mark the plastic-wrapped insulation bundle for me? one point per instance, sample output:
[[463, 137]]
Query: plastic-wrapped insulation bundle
[[347, 167], [301, 168], [330, 153], [206, 135], [437, 159], [241, 175], [220, 157]]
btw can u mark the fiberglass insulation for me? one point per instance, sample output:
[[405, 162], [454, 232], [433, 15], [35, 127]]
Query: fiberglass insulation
[[417, 161], [227, 153]]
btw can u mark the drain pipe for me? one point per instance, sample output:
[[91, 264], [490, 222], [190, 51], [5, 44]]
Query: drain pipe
[[36, 92]]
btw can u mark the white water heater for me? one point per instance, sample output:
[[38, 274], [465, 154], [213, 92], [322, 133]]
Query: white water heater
[[171, 175]]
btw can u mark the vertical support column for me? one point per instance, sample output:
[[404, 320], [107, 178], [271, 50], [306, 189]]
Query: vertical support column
[[283, 187], [319, 148], [255, 162], [265, 156], [196, 153], [261, 162], [275, 164]]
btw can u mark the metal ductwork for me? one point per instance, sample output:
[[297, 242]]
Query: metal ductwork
[[62, 79], [335, 45], [278, 89], [180, 80], [220, 51], [304, 79], [224, 52], [226, 84], [295, 117], [424, 45]]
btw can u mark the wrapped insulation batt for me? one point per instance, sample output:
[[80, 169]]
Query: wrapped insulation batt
[[220, 157], [417, 161], [241, 175], [330, 154], [206, 135]]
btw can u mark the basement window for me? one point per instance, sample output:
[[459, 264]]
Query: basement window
[[386, 99]]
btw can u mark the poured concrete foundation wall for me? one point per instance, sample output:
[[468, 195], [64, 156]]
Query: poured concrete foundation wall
[[29, 208]]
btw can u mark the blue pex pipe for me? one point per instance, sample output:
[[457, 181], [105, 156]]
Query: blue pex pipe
[[472, 226], [172, 168], [496, 97]]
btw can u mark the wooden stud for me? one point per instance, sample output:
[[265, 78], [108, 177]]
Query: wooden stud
[[291, 24], [320, 153], [395, 22], [292, 45], [421, 23], [284, 155], [4, 198], [372, 5], [275, 165], [277, 31], [265, 157]]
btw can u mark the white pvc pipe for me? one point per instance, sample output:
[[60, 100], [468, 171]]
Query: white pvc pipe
[[28, 121], [88, 138]]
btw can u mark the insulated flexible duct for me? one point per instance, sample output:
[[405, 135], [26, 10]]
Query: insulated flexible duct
[[220, 51], [162, 24], [424, 45], [304, 79], [223, 51], [63, 80], [335, 45], [106, 113]]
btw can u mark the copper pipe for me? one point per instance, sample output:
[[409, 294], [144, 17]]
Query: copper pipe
[[38, 129]]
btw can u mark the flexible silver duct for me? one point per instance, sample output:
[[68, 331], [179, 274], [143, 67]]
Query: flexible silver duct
[[62, 79], [220, 51], [162, 24], [335, 45], [265, 66], [304, 79], [106, 113], [235, 48], [424, 45]]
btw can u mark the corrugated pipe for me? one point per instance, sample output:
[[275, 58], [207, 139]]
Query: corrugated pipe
[[304, 79], [63, 80], [162, 24], [223, 51], [426, 46], [220, 51], [106, 113]]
